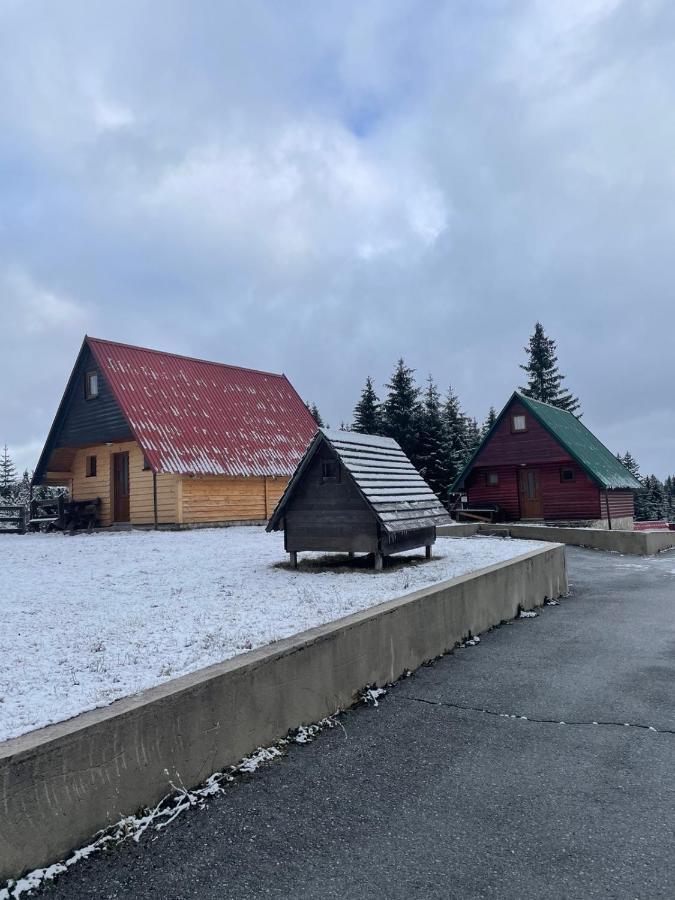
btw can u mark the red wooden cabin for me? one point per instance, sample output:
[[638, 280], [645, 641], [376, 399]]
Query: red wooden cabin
[[540, 463]]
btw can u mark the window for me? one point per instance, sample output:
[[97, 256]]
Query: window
[[492, 479], [518, 423], [330, 471], [567, 475], [146, 464], [91, 385], [90, 467]]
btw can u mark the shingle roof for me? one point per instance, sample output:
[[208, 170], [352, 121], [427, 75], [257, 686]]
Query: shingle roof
[[389, 483], [582, 445], [193, 417]]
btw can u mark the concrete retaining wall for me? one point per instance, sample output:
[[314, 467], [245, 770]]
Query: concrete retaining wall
[[61, 784], [461, 529], [634, 543]]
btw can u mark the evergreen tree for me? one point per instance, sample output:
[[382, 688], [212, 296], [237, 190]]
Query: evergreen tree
[[432, 442], [473, 435], [544, 381], [314, 411], [490, 421], [22, 490], [455, 436], [401, 411], [630, 463], [7, 475], [367, 412]]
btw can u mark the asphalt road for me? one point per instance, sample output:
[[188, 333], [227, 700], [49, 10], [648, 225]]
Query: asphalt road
[[429, 796]]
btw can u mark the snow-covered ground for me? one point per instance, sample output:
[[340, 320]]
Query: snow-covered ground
[[92, 618]]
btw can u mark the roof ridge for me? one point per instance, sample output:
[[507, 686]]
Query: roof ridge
[[208, 362]]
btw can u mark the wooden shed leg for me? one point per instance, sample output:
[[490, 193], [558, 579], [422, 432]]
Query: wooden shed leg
[[427, 551], [294, 559], [378, 562]]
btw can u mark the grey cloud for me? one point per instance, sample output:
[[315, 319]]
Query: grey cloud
[[320, 188]]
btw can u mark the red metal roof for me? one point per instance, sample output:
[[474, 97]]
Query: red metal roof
[[193, 417]]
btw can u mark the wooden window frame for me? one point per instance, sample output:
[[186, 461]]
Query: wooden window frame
[[567, 480], [90, 466], [490, 475], [88, 394], [333, 466], [515, 430]]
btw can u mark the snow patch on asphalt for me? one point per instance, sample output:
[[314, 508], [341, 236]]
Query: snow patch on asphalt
[[167, 810]]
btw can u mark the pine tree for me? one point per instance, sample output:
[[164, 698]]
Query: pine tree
[[490, 421], [455, 436], [473, 437], [314, 411], [432, 442], [7, 475], [367, 412], [544, 379], [630, 463], [401, 411], [22, 490]]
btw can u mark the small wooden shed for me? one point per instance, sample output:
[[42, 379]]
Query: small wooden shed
[[357, 493]]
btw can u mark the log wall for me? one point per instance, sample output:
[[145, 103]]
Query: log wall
[[140, 485], [219, 498]]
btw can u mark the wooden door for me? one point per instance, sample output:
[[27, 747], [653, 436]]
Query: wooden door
[[529, 490], [121, 487]]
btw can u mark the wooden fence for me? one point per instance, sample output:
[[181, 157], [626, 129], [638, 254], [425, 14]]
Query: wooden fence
[[12, 519]]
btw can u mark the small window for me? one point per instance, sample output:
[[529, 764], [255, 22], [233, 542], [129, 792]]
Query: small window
[[330, 471], [90, 467], [91, 385], [492, 479], [567, 475], [518, 423]]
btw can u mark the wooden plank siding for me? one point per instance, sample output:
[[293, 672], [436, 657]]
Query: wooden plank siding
[[578, 499], [621, 504], [535, 445], [140, 485], [328, 515], [221, 498]]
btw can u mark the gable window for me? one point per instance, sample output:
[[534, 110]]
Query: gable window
[[518, 423], [567, 475], [90, 467], [492, 479], [330, 471], [90, 385]]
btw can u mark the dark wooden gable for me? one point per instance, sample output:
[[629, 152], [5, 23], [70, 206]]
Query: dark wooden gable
[[325, 509], [80, 422], [375, 470]]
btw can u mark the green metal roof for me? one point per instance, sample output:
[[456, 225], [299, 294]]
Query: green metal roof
[[583, 446]]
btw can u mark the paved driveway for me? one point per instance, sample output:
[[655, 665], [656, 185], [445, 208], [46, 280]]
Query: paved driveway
[[440, 792]]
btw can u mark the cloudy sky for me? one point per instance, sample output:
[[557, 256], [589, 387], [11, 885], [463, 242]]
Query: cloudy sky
[[320, 188]]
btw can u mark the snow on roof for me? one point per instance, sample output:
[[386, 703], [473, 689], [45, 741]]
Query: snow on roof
[[193, 417], [389, 483]]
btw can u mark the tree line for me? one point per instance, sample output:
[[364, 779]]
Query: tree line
[[434, 430], [655, 500], [15, 489]]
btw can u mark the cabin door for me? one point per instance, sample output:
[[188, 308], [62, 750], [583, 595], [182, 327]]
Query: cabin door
[[529, 490], [120, 487]]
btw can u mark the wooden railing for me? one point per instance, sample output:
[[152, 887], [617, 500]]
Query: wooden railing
[[12, 519]]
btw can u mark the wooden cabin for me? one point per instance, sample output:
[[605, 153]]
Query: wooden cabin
[[357, 493], [539, 463], [163, 439]]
